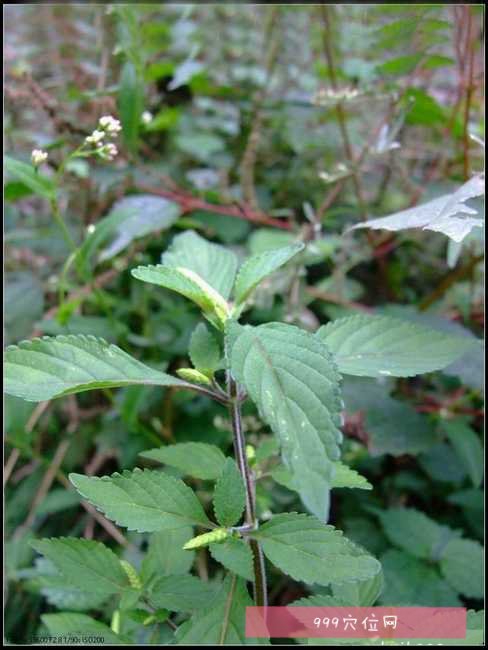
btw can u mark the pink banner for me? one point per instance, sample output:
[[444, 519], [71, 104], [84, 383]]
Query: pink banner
[[356, 622]]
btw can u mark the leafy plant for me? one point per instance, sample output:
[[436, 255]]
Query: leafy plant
[[291, 375]]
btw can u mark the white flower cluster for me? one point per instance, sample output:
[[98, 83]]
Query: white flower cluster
[[38, 157], [330, 96], [146, 117], [109, 127]]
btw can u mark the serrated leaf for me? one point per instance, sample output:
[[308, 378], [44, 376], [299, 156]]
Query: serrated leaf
[[235, 555], [308, 550], [188, 284], [43, 369], [85, 564], [165, 555], [29, 176], [258, 267], [204, 350], [468, 448], [79, 625], [292, 378], [440, 215], [213, 263], [223, 621], [416, 533], [346, 477], [145, 501], [230, 495], [411, 582], [378, 345], [462, 567], [361, 593], [184, 593], [197, 459]]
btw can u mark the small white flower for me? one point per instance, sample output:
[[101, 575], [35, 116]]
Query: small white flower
[[109, 124], [95, 137], [108, 151], [146, 117], [38, 157]]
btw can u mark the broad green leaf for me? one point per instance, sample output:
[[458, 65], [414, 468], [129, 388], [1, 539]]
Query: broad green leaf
[[144, 214], [165, 555], [318, 600], [130, 104], [258, 267], [183, 593], [85, 564], [360, 593], [235, 555], [24, 296], [223, 621], [213, 263], [412, 582], [440, 215], [50, 367], [413, 531], [66, 624], [468, 448], [197, 459], [145, 501], [34, 180], [292, 378], [188, 284], [204, 350], [308, 550], [378, 345], [346, 477], [462, 567], [230, 495]]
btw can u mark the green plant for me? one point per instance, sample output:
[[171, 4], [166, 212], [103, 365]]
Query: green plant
[[293, 377]]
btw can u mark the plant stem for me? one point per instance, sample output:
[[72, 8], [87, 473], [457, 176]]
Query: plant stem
[[59, 220], [260, 594]]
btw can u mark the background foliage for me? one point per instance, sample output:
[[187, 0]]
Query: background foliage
[[267, 124]]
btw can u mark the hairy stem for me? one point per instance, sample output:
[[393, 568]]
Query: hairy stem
[[260, 594]]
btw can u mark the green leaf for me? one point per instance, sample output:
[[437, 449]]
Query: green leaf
[[235, 555], [27, 174], [130, 104], [215, 264], [308, 550], [165, 555], [411, 582], [258, 267], [377, 345], [50, 367], [187, 283], [145, 501], [74, 624], [416, 533], [197, 459], [360, 593], [204, 350], [468, 447], [292, 378], [462, 567], [223, 621], [85, 564], [230, 495], [182, 593], [346, 477]]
